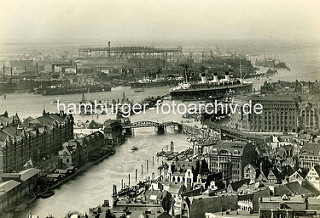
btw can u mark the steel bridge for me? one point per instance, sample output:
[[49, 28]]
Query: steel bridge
[[140, 124]]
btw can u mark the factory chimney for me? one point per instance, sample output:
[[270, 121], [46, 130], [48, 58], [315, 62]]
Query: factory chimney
[[203, 78], [37, 68], [215, 77], [109, 47], [227, 77]]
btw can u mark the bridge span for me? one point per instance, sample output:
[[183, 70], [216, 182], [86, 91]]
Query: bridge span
[[161, 127]]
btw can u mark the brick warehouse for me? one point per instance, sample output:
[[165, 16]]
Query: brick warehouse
[[33, 141]]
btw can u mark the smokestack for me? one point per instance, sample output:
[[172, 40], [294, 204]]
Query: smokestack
[[11, 72], [76, 68], [37, 68], [227, 77], [114, 189], [203, 78], [215, 77], [109, 47]]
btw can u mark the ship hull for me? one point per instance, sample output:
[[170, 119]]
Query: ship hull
[[211, 92], [73, 90], [154, 84]]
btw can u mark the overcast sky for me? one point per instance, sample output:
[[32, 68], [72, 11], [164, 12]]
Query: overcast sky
[[160, 19]]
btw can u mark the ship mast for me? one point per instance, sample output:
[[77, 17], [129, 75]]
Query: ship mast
[[186, 73], [240, 70]]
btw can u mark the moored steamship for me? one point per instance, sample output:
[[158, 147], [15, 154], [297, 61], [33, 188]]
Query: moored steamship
[[213, 89]]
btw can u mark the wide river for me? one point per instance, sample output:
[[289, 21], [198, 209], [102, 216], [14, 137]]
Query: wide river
[[95, 185]]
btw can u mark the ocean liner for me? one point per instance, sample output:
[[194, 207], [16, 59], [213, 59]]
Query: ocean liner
[[213, 89]]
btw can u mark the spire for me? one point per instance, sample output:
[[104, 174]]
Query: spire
[[5, 114]]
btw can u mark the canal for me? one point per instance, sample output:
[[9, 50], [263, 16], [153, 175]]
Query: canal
[[92, 187]]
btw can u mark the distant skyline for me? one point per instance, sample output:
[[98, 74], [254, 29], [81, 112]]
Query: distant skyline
[[165, 20]]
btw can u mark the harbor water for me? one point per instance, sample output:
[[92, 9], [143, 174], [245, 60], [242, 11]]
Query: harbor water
[[94, 186]]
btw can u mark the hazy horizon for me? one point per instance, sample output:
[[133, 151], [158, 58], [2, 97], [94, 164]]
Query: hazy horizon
[[158, 20]]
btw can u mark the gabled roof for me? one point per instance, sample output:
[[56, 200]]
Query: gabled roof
[[311, 149], [236, 185], [317, 169], [294, 188]]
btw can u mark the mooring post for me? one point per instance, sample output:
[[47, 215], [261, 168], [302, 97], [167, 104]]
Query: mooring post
[[136, 175], [147, 164], [142, 170]]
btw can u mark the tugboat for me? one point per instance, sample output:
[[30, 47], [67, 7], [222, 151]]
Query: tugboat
[[54, 101], [139, 90], [134, 148]]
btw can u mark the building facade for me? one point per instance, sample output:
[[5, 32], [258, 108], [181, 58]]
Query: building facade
[[33, 141], [279, 114], [308, 116], [309, 155], [230, 158]]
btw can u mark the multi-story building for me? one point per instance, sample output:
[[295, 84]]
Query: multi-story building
[[33, 141], [77, 152], [309, 155], [5, 120], [230, 158], [113, 132], [285, 206], [313, 176], [279, 114], [308, 115]]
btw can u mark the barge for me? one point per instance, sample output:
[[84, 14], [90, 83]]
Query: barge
[[56, 90]]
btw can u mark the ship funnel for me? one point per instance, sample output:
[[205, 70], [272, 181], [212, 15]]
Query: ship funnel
[[203, 78], [227, 77], [215, 77]]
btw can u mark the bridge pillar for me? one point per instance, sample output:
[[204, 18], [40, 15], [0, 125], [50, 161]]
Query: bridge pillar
[[179, 128], [161, 129], [128, 131]]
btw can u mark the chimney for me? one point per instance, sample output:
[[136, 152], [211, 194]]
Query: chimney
[[227, 77], [203, 78], [215, 77], [11, 72], [109, 47], [37, 68], [115, 189]]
